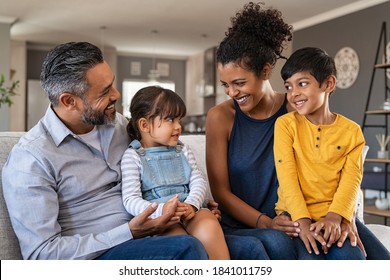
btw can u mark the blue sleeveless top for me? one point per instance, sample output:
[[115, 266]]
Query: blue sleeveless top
[[251, 165]]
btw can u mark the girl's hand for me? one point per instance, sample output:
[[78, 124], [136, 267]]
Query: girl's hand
[[189, 213], [179, 207]]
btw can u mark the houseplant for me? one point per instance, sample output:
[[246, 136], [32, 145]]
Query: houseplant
[[7, 92]]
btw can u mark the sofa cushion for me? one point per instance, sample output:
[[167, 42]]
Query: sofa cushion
[[8, 242]]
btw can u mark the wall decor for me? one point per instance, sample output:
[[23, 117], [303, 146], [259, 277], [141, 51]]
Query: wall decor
[[347, 64]]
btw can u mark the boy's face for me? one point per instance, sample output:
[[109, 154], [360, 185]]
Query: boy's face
[[306, 95]]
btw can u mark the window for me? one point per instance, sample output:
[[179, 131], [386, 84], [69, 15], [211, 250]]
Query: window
[[130, 87]]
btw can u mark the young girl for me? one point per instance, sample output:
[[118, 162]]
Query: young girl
[[157, 168], [318, 157]]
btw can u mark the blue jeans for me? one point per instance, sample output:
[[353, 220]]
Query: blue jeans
[[178, 247], [347, 252], [276, 244], [245, 248], [374, 248], [182, 247]]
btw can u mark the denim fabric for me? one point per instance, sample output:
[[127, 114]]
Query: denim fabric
[[374, 248], [245, 248], [179, 247], [347, 252], [166, 172], [277, 244]]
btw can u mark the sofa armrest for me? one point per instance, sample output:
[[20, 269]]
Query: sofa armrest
[[8, 241]]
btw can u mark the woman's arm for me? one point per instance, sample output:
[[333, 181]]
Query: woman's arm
[[219, 123]]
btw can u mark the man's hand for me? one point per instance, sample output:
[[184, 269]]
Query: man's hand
[[141, 225]]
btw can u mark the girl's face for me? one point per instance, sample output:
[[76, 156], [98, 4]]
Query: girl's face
[[241, 85], [306, 95], [163, 132]]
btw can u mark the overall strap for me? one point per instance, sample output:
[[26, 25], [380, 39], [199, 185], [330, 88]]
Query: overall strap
[[136, 145]]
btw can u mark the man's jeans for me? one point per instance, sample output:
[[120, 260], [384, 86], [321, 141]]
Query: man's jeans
[[179, 247]]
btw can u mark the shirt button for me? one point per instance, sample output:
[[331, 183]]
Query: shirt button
[[316, 146], [338, 147], [318, 138], [319, 129]]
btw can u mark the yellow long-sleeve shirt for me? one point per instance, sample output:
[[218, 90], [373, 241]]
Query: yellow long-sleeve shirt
[[319, 167]]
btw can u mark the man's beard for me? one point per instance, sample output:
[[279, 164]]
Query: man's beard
[[95, 117]]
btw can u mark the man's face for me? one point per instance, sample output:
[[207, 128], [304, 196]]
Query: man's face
[[99, 104]]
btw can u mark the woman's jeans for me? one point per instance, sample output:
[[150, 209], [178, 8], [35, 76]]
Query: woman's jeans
[[277, 244]]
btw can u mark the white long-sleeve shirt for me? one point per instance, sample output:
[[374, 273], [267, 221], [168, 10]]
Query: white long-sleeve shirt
[[132, 171]]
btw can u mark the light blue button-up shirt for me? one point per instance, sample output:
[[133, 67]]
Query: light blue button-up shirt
[[63, 195]]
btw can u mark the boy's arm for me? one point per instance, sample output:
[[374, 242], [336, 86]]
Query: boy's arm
[[290, 197], [344, 200]]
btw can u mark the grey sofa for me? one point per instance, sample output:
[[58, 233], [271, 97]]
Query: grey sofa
[[9, 246]]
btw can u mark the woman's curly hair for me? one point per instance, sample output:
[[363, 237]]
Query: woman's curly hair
[[256, 36]]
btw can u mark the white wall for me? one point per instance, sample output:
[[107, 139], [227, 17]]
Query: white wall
[[17, 120]]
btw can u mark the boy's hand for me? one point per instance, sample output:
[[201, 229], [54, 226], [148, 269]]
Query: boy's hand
[[330, 227], [350, 231], [308, 237]]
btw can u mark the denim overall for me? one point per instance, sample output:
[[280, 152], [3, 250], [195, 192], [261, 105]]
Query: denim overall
[[166, 172]]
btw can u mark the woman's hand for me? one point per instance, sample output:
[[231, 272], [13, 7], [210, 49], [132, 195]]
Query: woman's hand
[[213, 207], [284, 223]]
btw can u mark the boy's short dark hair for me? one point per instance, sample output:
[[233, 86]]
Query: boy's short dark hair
[[313, 60]]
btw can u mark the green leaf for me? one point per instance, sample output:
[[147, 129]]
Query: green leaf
[[7, 92]]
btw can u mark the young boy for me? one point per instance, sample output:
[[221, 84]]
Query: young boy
[[318, 158]]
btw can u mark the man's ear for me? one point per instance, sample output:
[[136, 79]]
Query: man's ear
[[68, 100], [143, 125]]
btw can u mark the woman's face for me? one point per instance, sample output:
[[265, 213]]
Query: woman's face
[[241, 85]]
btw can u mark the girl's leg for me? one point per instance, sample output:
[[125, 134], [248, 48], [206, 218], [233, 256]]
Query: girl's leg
[[174, 230], [205, 227]]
